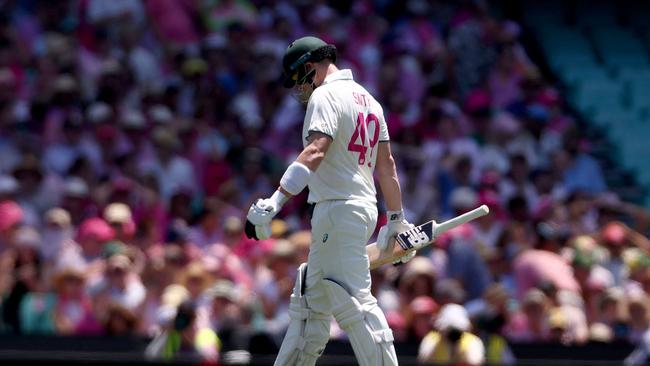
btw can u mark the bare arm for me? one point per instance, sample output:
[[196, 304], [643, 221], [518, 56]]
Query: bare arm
[[313, 154], [387, 176], [636, 238]]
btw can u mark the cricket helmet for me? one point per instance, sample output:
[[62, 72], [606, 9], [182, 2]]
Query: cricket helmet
[[298, 53]]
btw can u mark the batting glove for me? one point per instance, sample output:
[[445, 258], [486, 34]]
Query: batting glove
[[396, 224], [260, 214], [257, 232]]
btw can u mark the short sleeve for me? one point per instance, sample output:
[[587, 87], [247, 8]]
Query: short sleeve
[[322, 114], [383, 129]]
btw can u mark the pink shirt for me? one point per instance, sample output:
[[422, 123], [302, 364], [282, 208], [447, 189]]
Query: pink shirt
[[172, 20], [533, 266]]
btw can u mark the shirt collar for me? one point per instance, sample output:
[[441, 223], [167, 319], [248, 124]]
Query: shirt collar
[[345, 74]]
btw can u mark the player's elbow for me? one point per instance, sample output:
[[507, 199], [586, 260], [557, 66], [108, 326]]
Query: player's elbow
[[313, 156]]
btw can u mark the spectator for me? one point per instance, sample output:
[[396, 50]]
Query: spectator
[[614, 240], [25, 274], [275, 281], [253, 182], [471, 45], [491, 322], [418, 279], [452, 342], [156, 279], [35, 193], [208, 229], [195, 279], [421, 311], [119, 216], [120, 321], [301, 241], [120, 284], [12, 216], [467, 267], [73, 312], [580, 171], [610, 312], [173, 172], [92, 235], [133, 135], [534, 266], [532, 324], [76, 197], [57, 234], [222, 298], [637, 308], [185, 337]]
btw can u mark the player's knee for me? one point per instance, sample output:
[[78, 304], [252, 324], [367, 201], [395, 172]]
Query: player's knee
[[367, 329], [346, 309], [308, 331]]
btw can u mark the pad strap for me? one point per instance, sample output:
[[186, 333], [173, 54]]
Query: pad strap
[[383, 336]]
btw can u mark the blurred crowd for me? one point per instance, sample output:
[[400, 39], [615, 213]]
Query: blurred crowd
[[135, 135]]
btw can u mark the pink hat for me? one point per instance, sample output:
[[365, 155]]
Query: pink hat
[[548, 97], [395, 320], [10, 214], [95, 228], [506, 123], [423, 305], [489, 198], [121, 184], [477, 100], [490, 178], [614, 233]]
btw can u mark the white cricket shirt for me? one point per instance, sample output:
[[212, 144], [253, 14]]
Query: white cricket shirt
[[345, 111]]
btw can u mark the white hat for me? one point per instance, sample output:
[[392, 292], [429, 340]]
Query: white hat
[[223, 289], [165, 314], [463, 198], [117, 213], [160, 114], [600, 278], [174, 294], [133, 119], [76, 187], [111, 67], [98, 112], [215, 41], [452, 316], [27, 237], [8, 184], [58, 215], [65, 83]]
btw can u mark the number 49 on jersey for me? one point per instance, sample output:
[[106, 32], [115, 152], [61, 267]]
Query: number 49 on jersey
[[360, 141]]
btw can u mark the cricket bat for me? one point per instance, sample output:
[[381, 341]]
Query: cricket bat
[[418, 237]]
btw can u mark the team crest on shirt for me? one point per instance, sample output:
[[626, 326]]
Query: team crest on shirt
[[325, 236]]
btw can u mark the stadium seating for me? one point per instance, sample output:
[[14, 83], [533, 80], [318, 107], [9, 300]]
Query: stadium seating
[[599, 51]]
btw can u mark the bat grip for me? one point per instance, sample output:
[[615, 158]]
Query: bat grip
[[462, 219]]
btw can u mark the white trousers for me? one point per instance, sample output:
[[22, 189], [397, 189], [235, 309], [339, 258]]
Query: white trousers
[[340, 231]]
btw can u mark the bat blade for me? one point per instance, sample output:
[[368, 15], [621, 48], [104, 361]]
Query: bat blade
[[419, 237]]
